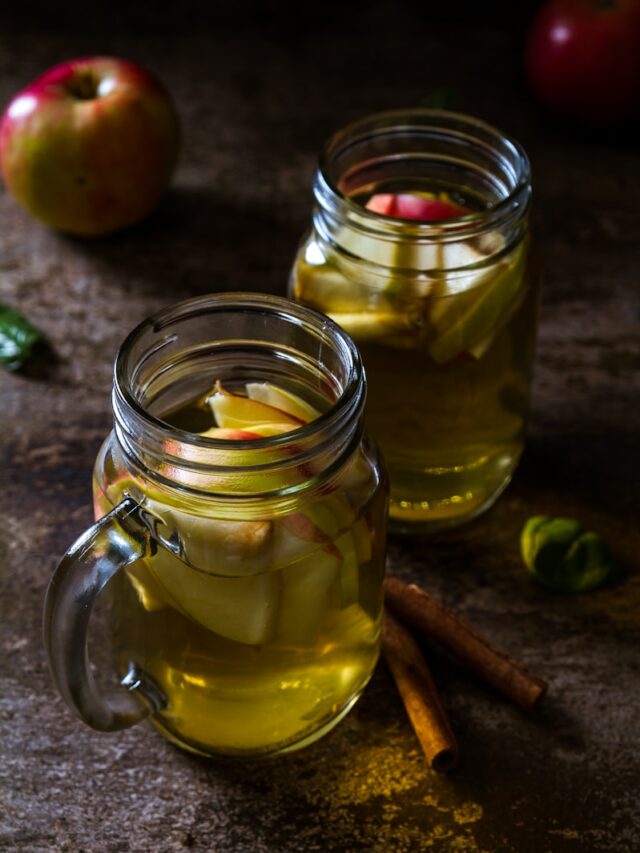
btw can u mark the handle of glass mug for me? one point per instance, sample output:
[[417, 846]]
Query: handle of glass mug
[[112, 543]]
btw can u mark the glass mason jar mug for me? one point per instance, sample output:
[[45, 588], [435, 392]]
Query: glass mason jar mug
[[420, 249], [240, 539]]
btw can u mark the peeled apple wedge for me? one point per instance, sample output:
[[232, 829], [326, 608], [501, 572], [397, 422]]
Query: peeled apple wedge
[[390, 253], [238, 608], [256, 431], [304, 598], [215, 545], [242, 606], [234, 585], [232, 411], [320, 284], [223, 580], [252, 580], [399, 329], [472, 319], [284, 401], [331, 569]]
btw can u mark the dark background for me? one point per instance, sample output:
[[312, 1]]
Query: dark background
[[259, 88]]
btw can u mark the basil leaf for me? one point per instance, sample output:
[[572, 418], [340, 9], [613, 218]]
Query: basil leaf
[[564, 557], [18, 338]]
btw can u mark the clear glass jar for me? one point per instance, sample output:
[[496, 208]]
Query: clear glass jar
[[244, 591], [443, 312]]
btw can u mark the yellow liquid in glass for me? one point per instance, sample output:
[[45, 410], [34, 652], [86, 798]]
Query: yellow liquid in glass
[[448, 357], [266, 640]]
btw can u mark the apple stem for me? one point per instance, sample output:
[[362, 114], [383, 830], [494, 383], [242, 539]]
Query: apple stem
[[83, 85]]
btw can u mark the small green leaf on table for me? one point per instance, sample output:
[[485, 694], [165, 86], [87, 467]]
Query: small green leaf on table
[[564, 557], [18, 338]]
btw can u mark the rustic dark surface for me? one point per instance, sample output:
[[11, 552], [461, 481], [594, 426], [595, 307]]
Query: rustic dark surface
[[256, 102]]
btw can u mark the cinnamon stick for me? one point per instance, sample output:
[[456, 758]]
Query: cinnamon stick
[[419, 695], [431, 619]]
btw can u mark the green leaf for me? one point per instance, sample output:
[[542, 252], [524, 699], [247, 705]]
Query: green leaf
[[563, 557], [18, 338]]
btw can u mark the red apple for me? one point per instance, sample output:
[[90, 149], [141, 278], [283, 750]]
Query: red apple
[[90, 146], [583, 59], [415, 206]]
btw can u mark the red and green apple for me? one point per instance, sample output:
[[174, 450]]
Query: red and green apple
[[90, 146]]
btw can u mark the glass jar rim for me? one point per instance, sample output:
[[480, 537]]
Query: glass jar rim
[[126, 403], [418, 119]]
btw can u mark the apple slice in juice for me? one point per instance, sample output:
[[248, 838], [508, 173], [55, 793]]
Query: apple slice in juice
[[240, 603], [319, 282], [393, 328], [256, 431], [421, 206], [360, 307], [468, 306], [284, 401], [232, 411], [305, 598], [250, 580], [469, 321], [239, 608], [422, 253], [331, 563]]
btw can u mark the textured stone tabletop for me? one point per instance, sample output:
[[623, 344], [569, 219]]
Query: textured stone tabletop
[[256, 103]]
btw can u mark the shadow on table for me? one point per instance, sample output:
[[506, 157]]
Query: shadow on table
[[592, 477], [365, 786], [200, 241]]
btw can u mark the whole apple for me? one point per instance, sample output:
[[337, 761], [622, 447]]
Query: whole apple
[[582, 59], [90, 146]]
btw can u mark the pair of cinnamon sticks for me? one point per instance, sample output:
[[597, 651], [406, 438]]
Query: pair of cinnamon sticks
[[409, 607]]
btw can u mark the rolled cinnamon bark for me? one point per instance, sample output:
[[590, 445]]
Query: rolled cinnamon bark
[[426, 615], [419, 695]]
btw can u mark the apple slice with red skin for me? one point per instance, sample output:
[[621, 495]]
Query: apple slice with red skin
[[306, 583], [230, 434], [256, 431], [252, 603], [417, 206], [304, 528], [382, 203]]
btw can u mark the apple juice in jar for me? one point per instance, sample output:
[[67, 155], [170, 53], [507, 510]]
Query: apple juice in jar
[[420, 249], [252, 625]]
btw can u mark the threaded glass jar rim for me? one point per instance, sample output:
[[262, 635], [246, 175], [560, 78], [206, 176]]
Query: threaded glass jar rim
[[462, 130], [144, 436]]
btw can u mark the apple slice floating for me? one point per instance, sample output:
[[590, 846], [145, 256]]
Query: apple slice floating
[[285, 401], [424, 207], [401, 255], [232, 411], [231, 434], [254, 581], [469, 321], [256, 431]]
